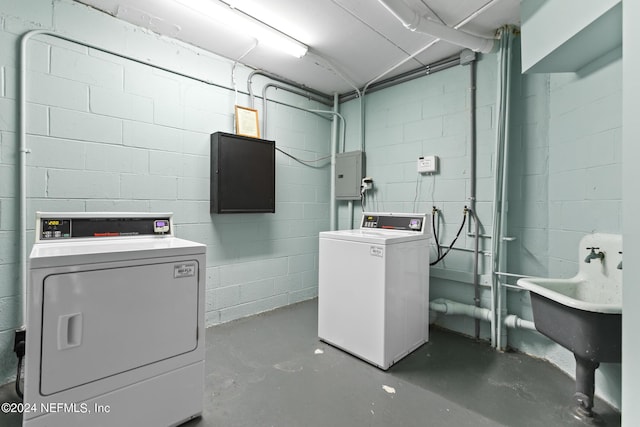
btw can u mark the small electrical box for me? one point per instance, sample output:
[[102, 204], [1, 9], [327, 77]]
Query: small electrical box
[[349, 174], [427, 164]]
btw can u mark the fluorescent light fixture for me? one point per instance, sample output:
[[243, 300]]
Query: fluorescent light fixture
[[231, 17]]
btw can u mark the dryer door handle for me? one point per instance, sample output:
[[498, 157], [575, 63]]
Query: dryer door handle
[[69, 331]]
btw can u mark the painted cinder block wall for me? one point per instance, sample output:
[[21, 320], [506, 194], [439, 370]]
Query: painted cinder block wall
[[110, 134], [564, 176], [430, 116], [163, 138], [568, 131]]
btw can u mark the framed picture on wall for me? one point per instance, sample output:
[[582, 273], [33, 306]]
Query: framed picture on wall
[[247, 122]]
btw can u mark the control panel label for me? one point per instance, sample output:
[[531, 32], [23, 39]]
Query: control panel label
[[376, 251], [184, 270]]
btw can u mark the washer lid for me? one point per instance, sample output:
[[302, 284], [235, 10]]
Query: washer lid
[[377, 236], [107, 250]]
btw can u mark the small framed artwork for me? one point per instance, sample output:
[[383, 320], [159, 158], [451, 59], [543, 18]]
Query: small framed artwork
[[247, 122]]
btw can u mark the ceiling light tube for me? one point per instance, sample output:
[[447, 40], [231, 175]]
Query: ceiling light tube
[[231, 17], [414, 22]]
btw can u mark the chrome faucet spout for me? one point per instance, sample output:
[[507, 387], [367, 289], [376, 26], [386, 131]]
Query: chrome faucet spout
[[594, 255]]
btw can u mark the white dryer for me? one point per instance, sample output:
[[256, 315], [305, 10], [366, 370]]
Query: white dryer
[[373, 296], [115, 322]]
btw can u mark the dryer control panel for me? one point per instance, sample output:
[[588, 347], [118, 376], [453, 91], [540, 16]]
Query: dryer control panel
[[64, 226], [394, 221]]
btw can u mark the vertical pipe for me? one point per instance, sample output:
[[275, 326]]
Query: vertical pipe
[[502, 297], [498, 293], [334, 148], [22, 185], [472, 190], [495, 255]]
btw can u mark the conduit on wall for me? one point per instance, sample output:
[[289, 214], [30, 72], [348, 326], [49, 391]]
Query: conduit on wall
[[309, 93], [472, 189], [319, 113], [501, 152]]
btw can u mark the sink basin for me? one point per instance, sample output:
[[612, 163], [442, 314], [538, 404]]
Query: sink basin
[[580, 292], [584, 313]]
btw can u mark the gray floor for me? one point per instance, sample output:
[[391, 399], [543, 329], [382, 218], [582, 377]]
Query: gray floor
[[267, 371]]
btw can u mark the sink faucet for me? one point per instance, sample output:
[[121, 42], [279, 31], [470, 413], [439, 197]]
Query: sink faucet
[[594, 255]]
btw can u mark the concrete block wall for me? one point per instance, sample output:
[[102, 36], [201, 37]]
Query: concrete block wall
[[585, 159], [564, 176], [110, 134], [568, 170], [431, 116]]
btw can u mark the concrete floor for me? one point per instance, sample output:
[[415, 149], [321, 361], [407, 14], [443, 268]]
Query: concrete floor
[[266, 370]]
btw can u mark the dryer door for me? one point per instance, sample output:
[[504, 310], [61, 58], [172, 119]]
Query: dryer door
[[103, 322]]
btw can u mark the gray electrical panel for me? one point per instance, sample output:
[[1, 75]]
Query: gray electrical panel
[[349, 174]]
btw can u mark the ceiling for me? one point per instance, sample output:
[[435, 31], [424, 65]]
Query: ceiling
[[351, 42]]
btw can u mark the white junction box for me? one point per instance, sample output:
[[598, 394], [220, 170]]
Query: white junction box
[[427, 164]]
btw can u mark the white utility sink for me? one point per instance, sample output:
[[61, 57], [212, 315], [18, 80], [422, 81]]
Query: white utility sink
[[584, 313], [598, 285]]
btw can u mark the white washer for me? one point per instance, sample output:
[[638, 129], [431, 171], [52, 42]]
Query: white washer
[[373, 296], [115, 322]]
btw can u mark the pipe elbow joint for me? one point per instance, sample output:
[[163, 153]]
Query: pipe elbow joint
[[486, 46]]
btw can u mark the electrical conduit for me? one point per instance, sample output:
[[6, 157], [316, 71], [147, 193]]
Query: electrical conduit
[[498, 293]]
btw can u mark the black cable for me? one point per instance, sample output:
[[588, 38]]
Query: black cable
[[18, 375], [464, 220], [434, 212], [19, 348], [306, 162]]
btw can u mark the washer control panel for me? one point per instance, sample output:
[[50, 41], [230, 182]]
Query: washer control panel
[[64, 226], [391, 221]]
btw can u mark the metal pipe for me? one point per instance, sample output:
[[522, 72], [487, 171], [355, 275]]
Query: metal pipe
[[502, 336], [500, 189], [485, 253], [334, 68], [496, 192], [333, 210], [288, 89], [415, 22], [472, 187], [405, 77], [309, 93], [478, 12], [516, 288], [499, 273], [22, 166], [335, 114], [408, 58]]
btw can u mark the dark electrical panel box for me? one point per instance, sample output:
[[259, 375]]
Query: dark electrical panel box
[[243, 174]]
